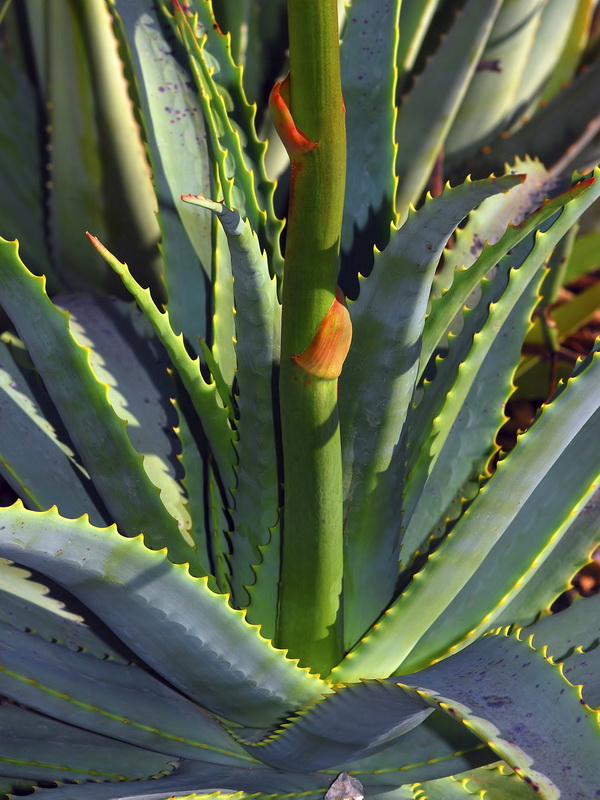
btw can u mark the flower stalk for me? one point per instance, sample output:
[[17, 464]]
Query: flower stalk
[[309, 113]]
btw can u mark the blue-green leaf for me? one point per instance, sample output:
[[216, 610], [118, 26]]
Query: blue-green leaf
[[121, 701], [43, 749], [171, 620]]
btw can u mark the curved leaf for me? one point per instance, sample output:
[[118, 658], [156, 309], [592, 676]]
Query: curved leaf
[[21, 203], [427, 113], [256, 492], [513, 524], [554, 575], [31, 425], [479, 686], [376, 388], [368, 55], [30, 604], [556, 133], [204, 395], [438, 747], [473, 381], [125, 356], [170, 619], [104, 447], [576, 200], [195, 781], [496, 84], [227, 83], [121, 701], [352, 723], [175, 132], [43, 749]]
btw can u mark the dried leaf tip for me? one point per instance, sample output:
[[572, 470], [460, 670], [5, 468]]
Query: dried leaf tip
[[327, 351], [295, 142]]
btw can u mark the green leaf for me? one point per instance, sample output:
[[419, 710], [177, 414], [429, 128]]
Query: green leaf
[[43, 749], [466, 398], [373, 412], [515, 521], [195, 781], [438, 747], [495, 85], [257, 331], [368, 56], [552, 30], [426, 115], [121, 701], [129, 199], [30, 603], [585, 256], [263, 60], [230, 81], [497, 780], [175, 132], [226, 142], [105, 448], [557, 756], [21, 204], [577, 199], [526, 541], [415, 18], [575, 44], [558, 131], [489, 222], [203, 395], [570, 634], [351, 723], [555, 573], [568, 317], [171, 620], [54, 476], [74, 150], [126, 357]]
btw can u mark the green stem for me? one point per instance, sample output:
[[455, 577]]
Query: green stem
[[309, 622]]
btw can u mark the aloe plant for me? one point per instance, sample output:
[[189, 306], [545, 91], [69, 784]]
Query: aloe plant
[[264, 536]]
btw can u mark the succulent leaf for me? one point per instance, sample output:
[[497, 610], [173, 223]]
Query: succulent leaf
[[203, 395], [443, 312], [553, 760], [132, 365], [473, 381], [119, 701], [175, 133], [553, 576], [55, 476], [438, 94], [21, 202], [368, 55], [572, 117], [257, 330], [557, 445], [372, 413], [43, 749], [196, 781], [263, 686], [352, 723], [495, 85], [106, 450], [28, 603], [203, 508]]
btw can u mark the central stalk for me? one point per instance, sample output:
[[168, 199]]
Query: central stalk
[[309, 114]]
